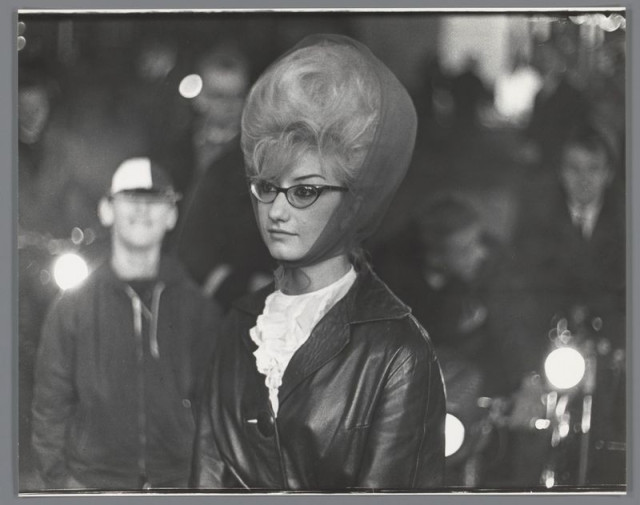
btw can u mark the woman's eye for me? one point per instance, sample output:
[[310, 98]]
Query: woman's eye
[[265, 187], [305, 192]]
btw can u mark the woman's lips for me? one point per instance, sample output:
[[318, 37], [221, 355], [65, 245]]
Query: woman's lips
[[277, 231]]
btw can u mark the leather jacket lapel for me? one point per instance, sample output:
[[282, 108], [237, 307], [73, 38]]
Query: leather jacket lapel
[[251, 306], [367, 300], [328, 338]]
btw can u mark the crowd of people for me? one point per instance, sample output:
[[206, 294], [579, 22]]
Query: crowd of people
[[240, 333]]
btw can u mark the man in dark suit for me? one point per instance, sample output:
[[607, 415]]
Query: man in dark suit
[[570, 262], [570, 240]]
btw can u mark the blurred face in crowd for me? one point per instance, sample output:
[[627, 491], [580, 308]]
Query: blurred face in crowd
[[156, 61], [585, 173], [465, 252], [219, 104], [139, 221], [33, 113], [549, 61], [290, 232]]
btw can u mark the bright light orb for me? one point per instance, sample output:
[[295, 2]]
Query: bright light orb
[[190, 86], [564, 367], [453, 435], [69, 271]]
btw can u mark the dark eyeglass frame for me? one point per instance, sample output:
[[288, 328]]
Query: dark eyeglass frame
[[288, 192]]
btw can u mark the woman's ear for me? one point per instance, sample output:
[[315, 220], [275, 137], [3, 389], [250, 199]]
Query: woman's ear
[[105, 212]]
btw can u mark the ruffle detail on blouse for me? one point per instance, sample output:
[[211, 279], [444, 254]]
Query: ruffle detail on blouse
[[286, 323]]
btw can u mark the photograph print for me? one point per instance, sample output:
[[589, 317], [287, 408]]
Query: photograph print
[[343, 251]]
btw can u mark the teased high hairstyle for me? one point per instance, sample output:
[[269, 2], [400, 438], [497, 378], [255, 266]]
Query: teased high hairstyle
[[322, 100], [330, 96]]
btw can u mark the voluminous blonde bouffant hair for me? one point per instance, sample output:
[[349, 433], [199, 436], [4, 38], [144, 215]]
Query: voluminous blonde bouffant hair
[[322, 100]]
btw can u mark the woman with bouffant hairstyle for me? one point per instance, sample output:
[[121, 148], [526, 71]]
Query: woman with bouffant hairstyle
[[323, 380]]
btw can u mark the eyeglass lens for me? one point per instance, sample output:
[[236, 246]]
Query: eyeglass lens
[[299, 196]]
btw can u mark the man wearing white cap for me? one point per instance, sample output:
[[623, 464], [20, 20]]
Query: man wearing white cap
[[119, 364]]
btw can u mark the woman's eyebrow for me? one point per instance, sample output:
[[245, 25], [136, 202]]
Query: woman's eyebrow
[[309, 176]]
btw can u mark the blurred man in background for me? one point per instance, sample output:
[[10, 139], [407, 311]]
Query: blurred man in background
[[559, 105], [569, 262], [217, 237], [35, 102], [570, 241], [121, 357], [34, 108], [441, 265], [470, 94]]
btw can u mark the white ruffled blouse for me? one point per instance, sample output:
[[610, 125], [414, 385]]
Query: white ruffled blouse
[[286, 323]]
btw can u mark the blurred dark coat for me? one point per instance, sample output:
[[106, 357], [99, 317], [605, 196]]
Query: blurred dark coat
[[554, 114], [361, 403], [561, 262], [217, 226], [108, 411], [555, 268], [456, 314], [469, 94]]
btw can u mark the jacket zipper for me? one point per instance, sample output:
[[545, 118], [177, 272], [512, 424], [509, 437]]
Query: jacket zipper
[[153, 327], [136, 304]]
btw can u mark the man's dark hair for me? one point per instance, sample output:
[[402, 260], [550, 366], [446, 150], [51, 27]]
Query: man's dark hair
[[593, 137], [442, 217]]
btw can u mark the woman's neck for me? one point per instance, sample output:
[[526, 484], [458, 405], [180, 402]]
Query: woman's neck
[[301, 280]]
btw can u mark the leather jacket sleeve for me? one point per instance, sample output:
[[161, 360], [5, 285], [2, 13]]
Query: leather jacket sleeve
[[207, 463], [209, 469], [204, 345], [54, 396], [399, 456]]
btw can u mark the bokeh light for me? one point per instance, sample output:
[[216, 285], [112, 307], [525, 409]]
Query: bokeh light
[[190, 86], [454, 434], [70, 270], [564, 367]]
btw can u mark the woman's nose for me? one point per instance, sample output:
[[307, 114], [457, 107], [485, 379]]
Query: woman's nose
[[279, 208]]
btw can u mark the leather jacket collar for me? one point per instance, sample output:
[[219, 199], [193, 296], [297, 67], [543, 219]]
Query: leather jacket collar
[[369, 299]]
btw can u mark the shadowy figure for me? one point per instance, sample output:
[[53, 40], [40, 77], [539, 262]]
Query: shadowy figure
[[434, 103], [559, 106], [570, 237], [441, 264], [36, 98], [149, 98], [217, 237], [469, 94]]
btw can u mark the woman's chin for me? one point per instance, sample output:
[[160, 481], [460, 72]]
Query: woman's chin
[[280, 253]]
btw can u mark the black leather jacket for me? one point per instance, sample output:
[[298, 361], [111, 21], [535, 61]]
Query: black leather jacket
[[362, 403]]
